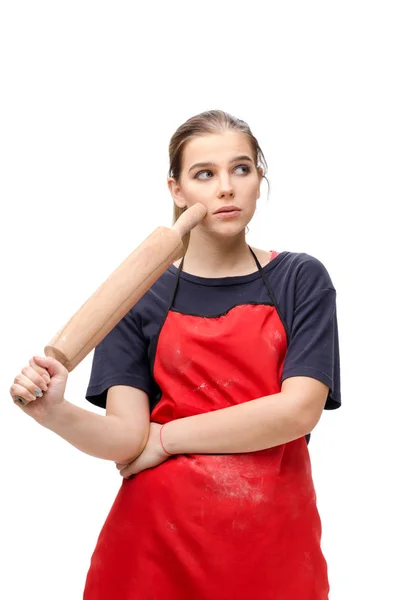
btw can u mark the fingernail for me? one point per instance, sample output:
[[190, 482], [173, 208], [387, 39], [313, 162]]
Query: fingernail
[[38, 393]]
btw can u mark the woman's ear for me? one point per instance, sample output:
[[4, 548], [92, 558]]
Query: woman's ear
[[261, 173], [175, 190]]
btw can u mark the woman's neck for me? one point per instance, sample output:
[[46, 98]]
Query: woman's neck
[[227, 257]]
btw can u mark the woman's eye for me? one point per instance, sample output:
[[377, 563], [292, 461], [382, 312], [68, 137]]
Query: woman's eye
[[200, 173], [208, 171], [244, 167]]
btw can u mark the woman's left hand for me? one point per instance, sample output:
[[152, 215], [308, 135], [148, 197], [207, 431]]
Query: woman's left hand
[[152, 455]]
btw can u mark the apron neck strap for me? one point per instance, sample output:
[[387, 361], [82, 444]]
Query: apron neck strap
[[173, 294], [258, 264]]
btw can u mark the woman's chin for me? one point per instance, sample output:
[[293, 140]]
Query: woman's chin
[[228, 231]]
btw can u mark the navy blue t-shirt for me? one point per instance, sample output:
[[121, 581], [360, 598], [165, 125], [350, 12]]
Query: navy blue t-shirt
[[303, 294]]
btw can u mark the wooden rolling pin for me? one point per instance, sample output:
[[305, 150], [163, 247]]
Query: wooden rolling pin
[[118, 294]]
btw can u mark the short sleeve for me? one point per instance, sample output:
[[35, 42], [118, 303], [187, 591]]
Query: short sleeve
[[313, 348], [120, 359]]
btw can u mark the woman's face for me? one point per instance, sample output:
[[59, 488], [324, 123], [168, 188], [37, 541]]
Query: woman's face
[[232, 180]]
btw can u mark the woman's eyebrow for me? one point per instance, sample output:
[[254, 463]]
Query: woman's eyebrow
[[212, 164]]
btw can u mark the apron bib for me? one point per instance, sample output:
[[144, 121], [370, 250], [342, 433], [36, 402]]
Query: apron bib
[[226, 526]]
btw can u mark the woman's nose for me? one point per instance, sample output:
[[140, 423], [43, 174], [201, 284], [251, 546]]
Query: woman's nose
[[225, 187]]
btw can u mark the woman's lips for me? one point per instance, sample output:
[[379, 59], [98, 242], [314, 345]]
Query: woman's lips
[[227, 214]]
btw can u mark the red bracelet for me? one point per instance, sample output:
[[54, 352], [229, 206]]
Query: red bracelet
[[161, 439]]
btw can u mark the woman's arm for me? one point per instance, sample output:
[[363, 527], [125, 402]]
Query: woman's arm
[[119, 436], [255, 425]]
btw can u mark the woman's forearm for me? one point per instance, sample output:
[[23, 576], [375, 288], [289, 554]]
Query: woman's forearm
[[255, 425], [109, 437]]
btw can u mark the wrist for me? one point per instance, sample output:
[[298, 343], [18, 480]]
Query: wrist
[[164, 447], [53, 415]]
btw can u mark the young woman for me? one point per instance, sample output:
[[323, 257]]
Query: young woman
[[212, 384]]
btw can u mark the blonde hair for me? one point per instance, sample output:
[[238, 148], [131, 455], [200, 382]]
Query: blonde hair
[[209, 122]]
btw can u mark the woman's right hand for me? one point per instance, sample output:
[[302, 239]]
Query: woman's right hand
[[46, 376]]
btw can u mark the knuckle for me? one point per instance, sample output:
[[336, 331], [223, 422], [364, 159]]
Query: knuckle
[[36, 367]]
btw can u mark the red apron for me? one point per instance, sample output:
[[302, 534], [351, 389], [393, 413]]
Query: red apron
[[215, 527]]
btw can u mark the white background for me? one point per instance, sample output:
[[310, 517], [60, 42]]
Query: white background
[[91, 93]]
